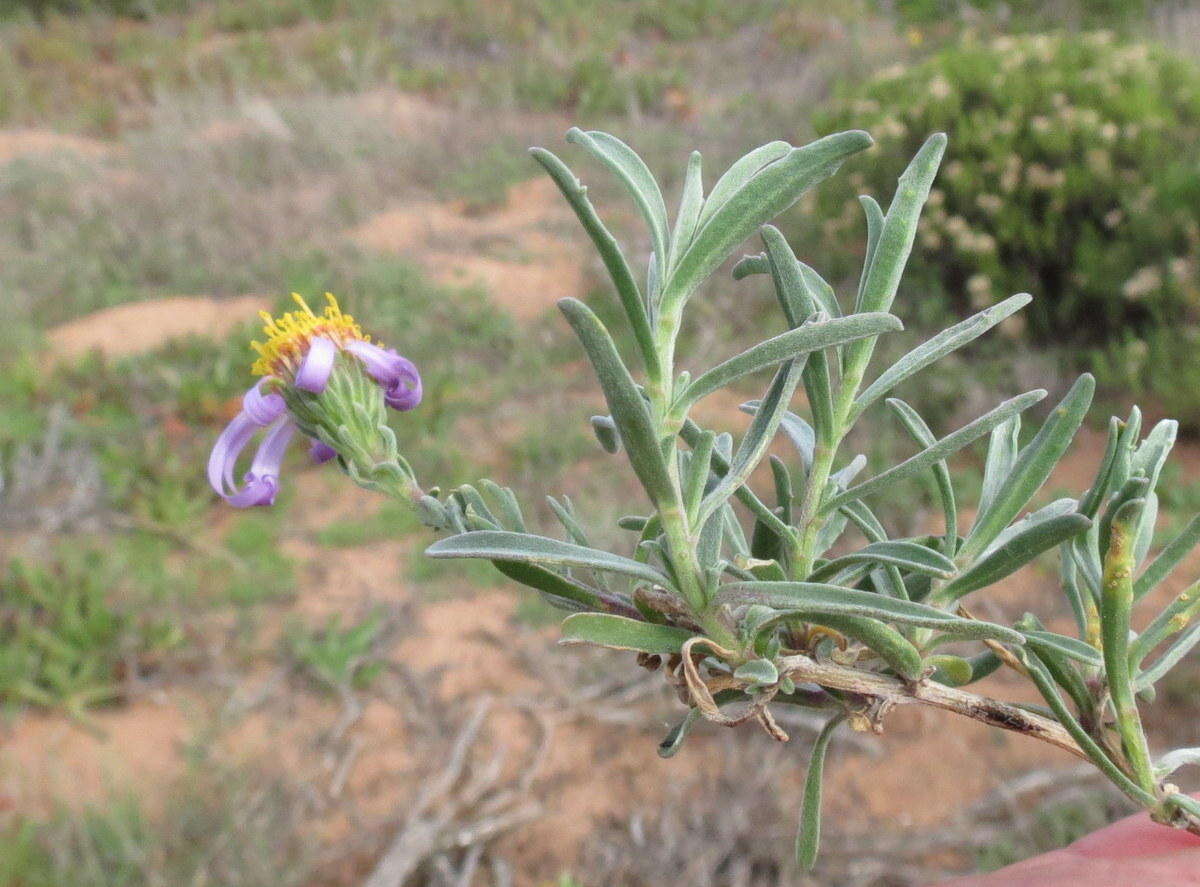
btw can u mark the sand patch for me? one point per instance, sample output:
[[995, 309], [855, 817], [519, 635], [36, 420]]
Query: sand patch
[[137, 327], [16, 143], [517, 252]]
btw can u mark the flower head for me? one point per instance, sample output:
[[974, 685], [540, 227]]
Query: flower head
[[319, 372]]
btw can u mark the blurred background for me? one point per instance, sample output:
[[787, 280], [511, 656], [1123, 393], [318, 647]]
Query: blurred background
[[191, 695]]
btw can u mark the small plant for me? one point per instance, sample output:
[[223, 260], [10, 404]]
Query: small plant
[[747, 598], [338, 658], [61, 643], [1074, 179]]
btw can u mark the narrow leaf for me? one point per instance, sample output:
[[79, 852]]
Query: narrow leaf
[[907, 556], [808, 838], [690, 204], [637, 178], [1033, 465], [920, 432], [947, 446], [936, 348], [610, 252], [817, 598], [625, 402], [527, 548], [621, 633], [1015, 553], [739, 173], [794, 343], [1168, 559], [762, 197]]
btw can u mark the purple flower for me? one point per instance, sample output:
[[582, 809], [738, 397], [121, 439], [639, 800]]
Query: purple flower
[[302, 351]]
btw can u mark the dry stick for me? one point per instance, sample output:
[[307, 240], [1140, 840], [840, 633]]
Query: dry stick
[[891, 691]]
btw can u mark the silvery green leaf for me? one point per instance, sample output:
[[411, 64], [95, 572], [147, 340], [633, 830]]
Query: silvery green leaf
[[1068, 581], [875, 220], [1168, 559], [953, 671], [561, 591], [690, 204], [820, 599], [947, 446], [566, 516], [820, 290], [740, 173], [783, 488], [747, 266], [610, 252], [1130, 434], [1057, 508], [621, 633], [637, 178], [808, 837], [506, 502], [1072, 648], [794, 343], [698, 471], [1174, 652], [1017, 551], [653, 280], [1001, 454], [866, 521], [1144, 534], [527, 548], [920, 432], [762, 197], [756, 440], [842, 478], [625, 402], [673, 741], [605, 430], [899, 227], [1173, 760], [1174, 618], [797, 302], [799, 432], [1149, 458], [1032, 466], [1101, 487], [883, 640], [935, 349], [907, 556], [757, 671], [895, 240], [722, 454], [734, 533]]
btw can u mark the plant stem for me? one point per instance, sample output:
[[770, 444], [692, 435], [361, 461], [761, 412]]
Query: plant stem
[[1115, 603]]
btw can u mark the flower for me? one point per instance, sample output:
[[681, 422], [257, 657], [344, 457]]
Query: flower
[[302, 352]]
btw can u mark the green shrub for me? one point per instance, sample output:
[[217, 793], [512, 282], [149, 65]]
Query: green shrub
[[1075, 176]]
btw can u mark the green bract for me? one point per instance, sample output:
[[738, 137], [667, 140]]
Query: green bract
[[758, 589]]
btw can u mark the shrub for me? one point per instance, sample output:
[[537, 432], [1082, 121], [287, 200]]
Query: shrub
[[1076, 177]]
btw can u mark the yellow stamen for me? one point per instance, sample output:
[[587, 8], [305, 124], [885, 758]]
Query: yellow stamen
[[289, 334]]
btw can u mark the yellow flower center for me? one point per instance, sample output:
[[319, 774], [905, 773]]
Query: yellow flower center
[[289, 335]]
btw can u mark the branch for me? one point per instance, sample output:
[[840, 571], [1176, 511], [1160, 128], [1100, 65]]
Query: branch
[[891, 691]]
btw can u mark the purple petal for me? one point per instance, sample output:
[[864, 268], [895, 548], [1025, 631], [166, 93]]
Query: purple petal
[[317, 365], [321, 452], [263, 409], [226, 451], [261, 482], [398, 375]]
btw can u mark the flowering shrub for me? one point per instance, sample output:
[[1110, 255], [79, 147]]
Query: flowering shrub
[[1076, 178], [747, 598]]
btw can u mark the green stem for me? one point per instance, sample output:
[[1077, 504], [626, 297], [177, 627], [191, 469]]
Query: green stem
[[1115, 603]]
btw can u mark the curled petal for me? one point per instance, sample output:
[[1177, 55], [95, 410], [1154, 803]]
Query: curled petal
[[263, 409], [398, 375], [226, 450], [314, 371], [321, 452], [261, 482]]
